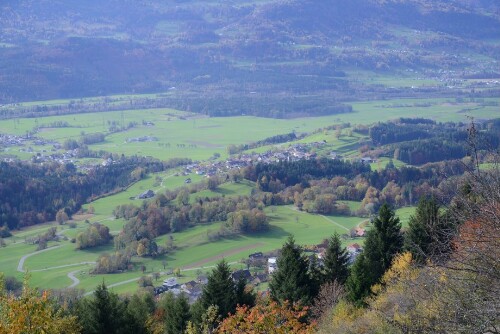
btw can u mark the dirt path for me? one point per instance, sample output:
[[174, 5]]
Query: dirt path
[[221, 255], [325, 217], [20, 265], [334, 222]]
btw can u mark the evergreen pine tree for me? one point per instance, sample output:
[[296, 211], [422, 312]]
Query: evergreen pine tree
[[291, 281], [243, 296], [139, 308], [220, 290], [358, 282], [105, 313], [316, 275], [336, 261], [383, 242], [428, 231], [177, 313]]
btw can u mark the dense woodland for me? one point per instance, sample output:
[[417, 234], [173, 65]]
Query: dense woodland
[[34, 193]]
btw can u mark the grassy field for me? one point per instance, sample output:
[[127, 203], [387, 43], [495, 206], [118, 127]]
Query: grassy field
[[182, 134], [194, 249], [404, 214]]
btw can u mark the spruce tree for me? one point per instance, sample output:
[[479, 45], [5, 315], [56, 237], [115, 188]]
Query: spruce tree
[[358, 283], [220, 290], [105, 313], [428, 231], [139, 307], [243, 296], [177, 313], [290, 281], [336, 261], [382, 243]]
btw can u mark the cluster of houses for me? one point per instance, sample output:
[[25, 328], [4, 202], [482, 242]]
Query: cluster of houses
[[193, 289], [11, 140], [69, 156], [294, 152]]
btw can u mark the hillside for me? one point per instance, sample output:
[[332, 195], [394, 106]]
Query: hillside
[[282, 58]]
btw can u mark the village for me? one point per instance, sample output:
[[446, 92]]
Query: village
[[260, 268]]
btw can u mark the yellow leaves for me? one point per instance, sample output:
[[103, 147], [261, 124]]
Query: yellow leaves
[[267, 318], [345, 313], [33, 313]]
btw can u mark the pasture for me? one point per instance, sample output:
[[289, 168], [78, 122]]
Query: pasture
[[195, 250], [184, 134]]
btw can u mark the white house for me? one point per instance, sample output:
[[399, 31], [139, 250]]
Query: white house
[[271, 265]]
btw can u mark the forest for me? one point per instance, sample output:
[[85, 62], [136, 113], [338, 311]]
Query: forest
[[33, 193]]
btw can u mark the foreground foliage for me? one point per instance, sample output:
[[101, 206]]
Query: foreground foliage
[[32, 312]]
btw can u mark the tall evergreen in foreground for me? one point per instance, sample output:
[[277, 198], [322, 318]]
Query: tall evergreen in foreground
[[336, 261], [429, 231], [223, 292], [383, 242], [177, 312], [104, 313], [291, 281], [220, 290]]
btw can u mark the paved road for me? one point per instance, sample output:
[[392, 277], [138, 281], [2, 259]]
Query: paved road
[[20, 265], [72, 277]]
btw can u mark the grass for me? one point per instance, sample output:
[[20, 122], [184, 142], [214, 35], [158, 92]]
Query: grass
[[182, 134], [193, 249], [404, 214]]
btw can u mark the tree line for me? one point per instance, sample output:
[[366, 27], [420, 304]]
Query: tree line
[[33, 193]]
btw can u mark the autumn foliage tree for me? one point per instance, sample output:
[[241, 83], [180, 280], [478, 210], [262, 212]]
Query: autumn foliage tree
[[267, 317], [32, 312]]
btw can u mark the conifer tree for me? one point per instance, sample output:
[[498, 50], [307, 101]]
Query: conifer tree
[[220, 290], [177, 313], [336, 261], [105, 313], [358, 283], [383, 242], [291, 281], [428, 231], [139, 307], [243, 296]]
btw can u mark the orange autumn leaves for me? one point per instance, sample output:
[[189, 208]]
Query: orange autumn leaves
[[267, 318]]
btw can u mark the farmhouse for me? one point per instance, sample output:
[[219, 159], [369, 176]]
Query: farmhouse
[[239, 274], [147, 194]]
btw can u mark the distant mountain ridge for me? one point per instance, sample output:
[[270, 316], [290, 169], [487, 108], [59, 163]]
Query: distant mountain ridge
[[71, 49]]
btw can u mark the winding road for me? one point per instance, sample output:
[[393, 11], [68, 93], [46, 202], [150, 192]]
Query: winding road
[[20, 265], [137, 278]]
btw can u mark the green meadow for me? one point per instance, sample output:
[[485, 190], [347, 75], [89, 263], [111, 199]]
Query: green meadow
[[183, 134], [194, 250]]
